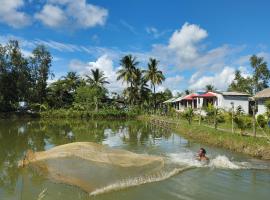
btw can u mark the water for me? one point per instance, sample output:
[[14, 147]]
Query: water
[[227, 176]]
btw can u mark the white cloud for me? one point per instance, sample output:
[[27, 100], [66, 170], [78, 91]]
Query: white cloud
[[184, 41], [186, 51], [128, 26], [78, 14], [172, 83], [51, 16], [155, 32], [105, 64], [10, 14], [220, 80]]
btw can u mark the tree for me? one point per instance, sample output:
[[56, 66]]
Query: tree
[[127, 73], [89, 97], [154, 75], [15, 78], [255, 83], [97, 78], [241, 84], [209, 88], [261, 73], [60, 94], [40, 63], [73, 80], [187, 92]]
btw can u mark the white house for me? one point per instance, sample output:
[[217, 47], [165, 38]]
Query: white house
[[224, 100], [260, 99]]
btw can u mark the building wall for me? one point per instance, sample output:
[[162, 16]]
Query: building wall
[[261, 107], [225, 102]]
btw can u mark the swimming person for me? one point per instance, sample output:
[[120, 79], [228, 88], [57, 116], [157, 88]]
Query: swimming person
[[202, 155]]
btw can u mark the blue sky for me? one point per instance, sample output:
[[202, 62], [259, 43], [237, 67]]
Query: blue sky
[[197, 42]]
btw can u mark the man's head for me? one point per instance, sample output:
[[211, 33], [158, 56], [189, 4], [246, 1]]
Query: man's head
[[202, 152]]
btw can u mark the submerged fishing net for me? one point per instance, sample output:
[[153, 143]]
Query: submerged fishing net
[[92, 167]]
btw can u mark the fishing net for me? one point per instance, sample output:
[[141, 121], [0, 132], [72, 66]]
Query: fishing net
[[92, 166]]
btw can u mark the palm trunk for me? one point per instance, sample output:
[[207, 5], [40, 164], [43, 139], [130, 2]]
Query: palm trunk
[[96, 104], [155, 103]]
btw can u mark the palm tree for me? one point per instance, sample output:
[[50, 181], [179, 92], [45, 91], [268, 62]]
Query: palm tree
[[209, 88], [154, 75], [97, 78], [73, 80], [127, 74]]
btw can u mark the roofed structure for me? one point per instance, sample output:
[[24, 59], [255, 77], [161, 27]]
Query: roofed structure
[[234, 94], [263, 94]]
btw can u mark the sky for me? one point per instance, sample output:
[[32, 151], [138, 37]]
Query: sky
[[197, 42]]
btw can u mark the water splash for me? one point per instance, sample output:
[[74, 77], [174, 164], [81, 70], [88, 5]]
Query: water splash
[[223, 162], [220, 161], [182, 162]]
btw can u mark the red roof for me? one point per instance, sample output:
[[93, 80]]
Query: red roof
[[190, 97], [206, 95]]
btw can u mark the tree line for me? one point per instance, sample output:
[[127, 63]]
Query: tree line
[[26, 79], [255, 82]]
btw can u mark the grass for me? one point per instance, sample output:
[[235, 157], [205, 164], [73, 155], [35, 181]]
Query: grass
[[257, 147], [102, 114]]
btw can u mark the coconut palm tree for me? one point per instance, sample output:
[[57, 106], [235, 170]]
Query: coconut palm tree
[[209, 88], [127, 74], [73, 80], [97, 78], [154, 75]]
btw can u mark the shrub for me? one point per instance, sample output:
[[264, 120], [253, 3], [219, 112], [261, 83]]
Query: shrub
[[261, 119], [188, 114], [243, 122]]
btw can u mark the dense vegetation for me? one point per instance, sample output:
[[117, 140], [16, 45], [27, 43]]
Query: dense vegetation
[[255, 82], [258, 147], [25, 79]]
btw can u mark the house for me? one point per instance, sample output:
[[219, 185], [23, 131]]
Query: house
[[260, 99], [226, 99], [223, 100]]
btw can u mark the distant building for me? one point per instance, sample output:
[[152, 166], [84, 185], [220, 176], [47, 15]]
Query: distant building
[[222, 100], [260, 99]]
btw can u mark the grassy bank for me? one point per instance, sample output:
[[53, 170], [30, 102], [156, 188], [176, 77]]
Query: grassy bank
[[102, 114], [257, 147], [18, 115]]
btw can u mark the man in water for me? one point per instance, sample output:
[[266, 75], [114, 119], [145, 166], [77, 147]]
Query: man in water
[[201, 155]]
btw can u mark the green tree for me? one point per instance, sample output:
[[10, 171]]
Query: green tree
[[40, 63], [187, 92], [261, 73], [97, 78], [209, 88], [241, 84], [154, 75], [15, 79], [89, 97], [127, 73], [73, 80]]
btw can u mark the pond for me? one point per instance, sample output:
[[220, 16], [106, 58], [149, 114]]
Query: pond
[[227, 176]]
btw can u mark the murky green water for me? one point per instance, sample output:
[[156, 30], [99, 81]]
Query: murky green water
[[228, 176]]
